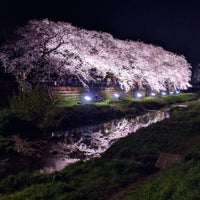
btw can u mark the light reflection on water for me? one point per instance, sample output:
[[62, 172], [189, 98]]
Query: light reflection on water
[[92, 141]]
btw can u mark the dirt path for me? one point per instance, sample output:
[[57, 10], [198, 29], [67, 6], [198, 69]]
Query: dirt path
[[132, 186]]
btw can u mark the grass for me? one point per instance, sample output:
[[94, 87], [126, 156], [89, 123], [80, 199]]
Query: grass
[[126, 161], [84, 114], [180, 98], [127, 101], [6, 147], [181, 181], [29, 111], [67, 103], [170, 135]]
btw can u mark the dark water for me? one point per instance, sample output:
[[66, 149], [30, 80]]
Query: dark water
[[91, 141]]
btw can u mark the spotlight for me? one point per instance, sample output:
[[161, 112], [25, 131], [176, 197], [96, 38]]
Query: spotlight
[[87, 98], [177, 91], [152, 94], [139, 95], [163, 93], [170, 92], [116, 95]]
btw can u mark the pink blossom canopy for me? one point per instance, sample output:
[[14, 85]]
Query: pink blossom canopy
[[43, 47]]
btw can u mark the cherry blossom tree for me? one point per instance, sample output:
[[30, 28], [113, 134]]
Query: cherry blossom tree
[[42, 48]]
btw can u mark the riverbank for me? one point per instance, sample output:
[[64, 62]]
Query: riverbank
[[30, 116], [28, 120], [24, 148], [129, 159], [57, 150]]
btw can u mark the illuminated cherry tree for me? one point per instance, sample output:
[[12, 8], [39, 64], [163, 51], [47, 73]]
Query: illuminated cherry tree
[[42, 48]]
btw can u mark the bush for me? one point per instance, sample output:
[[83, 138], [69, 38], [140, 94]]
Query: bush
[[11, 124], [6, 147], [31, 105]]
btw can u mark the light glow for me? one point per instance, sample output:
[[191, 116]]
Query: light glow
[[87, 98], [152, 94], [139, 94], [163, 93], [116, 95]]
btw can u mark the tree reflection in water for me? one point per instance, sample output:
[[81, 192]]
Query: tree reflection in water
[[91, 141], [94, 140]]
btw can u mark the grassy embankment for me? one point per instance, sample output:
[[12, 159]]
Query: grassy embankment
[[181, 181], [32, 112], [126, 161]]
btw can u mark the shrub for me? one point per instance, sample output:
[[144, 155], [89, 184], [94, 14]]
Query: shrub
[[6, 148], [31, 105]]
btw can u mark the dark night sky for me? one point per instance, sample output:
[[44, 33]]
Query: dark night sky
[[172, 24]]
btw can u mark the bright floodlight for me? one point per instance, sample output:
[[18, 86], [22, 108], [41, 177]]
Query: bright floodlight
[[177, 91], [152, 94], [116, 95], [138, 95], [87, 98], [163, 93]]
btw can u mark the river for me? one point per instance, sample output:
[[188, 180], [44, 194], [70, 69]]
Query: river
[[69, 146]]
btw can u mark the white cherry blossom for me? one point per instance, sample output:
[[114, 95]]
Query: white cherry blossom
[[43, 48]]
